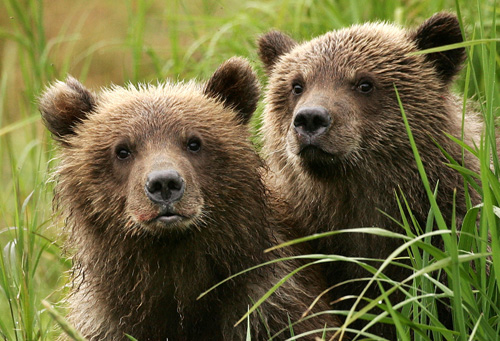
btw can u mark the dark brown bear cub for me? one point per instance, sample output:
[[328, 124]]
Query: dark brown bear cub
[[335, 139], [161, 193]]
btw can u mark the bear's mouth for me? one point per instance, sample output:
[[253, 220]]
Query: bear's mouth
[[318, 162], [309, 148], [169, 216], [313, 152]]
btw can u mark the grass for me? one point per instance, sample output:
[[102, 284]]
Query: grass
[[100, 42]]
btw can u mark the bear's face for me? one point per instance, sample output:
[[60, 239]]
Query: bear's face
[[148, 147], [152, 158], [331, 101]]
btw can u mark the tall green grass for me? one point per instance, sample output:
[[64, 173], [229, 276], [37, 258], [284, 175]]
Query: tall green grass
[[139, 41]]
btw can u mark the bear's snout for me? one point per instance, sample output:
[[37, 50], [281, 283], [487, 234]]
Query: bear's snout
[[165, 186], [311, 122]]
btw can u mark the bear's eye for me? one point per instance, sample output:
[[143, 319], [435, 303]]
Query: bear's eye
[[194, 144], [365, 87], [297, 89], [123, 153]]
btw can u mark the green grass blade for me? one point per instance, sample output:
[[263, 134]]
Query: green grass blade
[[61, 321], [456, 46]]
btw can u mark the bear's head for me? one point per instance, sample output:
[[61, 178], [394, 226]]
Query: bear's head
[[154, 159], [331, 101]]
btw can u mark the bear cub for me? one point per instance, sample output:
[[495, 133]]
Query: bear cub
[[336, 144], [162, 198]]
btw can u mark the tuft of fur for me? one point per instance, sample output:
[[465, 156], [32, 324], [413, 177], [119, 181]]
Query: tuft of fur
[[137, 275], [347, 176]]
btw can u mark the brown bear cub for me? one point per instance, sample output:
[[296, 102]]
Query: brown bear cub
[[161, 193], [335, 139]]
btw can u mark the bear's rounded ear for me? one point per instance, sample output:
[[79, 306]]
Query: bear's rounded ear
[[272, 45], [65, 104], [236, 85], [439, 30]]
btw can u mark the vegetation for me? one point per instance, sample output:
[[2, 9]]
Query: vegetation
[[100, 42]]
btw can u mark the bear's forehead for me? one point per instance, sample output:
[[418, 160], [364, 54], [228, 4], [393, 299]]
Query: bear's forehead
[[158, 104], [159, 96], [154, 113], [372, 37], [349, 49]]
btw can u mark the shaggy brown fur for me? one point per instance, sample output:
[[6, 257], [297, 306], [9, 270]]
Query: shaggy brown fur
[[335, 140], [160, 189]]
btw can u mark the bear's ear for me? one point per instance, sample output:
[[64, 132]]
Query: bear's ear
[[439, 30], [272, 45], [65, 104], [236, 85]]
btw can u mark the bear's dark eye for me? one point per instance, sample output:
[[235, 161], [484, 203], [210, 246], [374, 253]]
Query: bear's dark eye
[[123, 153], [297, 89], [365, 87], [194, 144]]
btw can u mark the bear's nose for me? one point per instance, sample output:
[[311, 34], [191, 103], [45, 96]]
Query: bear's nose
[[165, 186], [312, 121]]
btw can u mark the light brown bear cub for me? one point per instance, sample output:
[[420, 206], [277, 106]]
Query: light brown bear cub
[[335, 139], [160, 190]]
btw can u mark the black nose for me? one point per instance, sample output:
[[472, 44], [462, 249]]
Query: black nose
[[312, 121], [164, 186]]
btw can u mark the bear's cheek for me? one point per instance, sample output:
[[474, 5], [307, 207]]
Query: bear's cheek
[[86, 175], [140, 208]]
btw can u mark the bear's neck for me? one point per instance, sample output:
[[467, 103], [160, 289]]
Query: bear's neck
[[355, 195], [344, 199], [157, 279]]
